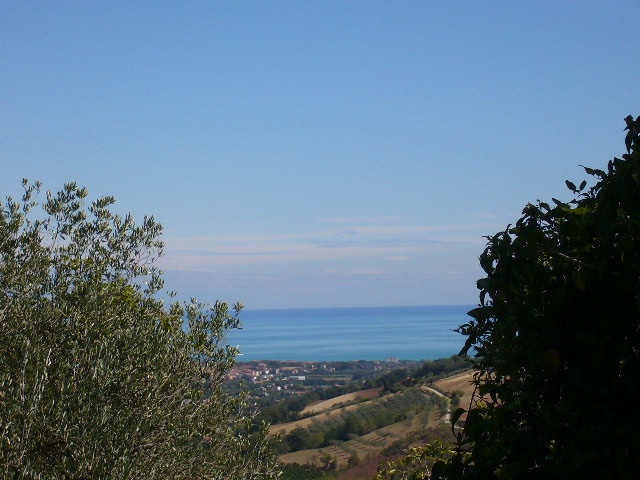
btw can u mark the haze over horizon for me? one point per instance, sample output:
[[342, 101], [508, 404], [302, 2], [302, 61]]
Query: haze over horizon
[[317, 154]]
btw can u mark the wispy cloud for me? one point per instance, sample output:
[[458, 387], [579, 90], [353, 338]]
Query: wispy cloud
[[359, 220], [356, 271], [398, 258], [366, 244]]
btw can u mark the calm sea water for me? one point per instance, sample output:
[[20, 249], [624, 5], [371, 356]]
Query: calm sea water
[[344, 334]]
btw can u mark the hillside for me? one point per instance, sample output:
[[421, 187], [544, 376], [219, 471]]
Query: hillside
[[320, 406], [458, 387], [351, 452], [354, 432]]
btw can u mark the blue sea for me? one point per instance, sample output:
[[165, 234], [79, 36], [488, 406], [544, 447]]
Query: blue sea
[[346, 334]]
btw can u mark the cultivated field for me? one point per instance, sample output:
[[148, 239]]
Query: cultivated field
[[285, 428], [361, 447], [463, 382], [322, 405], [426, 407], [429, 412]]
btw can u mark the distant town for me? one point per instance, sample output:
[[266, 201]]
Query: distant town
[[281, 379]]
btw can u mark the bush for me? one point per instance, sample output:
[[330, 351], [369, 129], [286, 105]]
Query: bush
[[97, 378], [295, 471]]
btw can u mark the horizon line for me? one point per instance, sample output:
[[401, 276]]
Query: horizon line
[[245, 308]]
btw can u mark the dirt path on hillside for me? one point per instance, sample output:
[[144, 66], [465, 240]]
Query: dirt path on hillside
[[434, 391], [447, 416], [462, 382]]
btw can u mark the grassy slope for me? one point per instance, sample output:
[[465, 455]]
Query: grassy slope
[[284, 428], [462, 383], [331, 403]]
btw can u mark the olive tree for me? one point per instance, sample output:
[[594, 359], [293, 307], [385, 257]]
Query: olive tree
[[98, 377], [557, 340]]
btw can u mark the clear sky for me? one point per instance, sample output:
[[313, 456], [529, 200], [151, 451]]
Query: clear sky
[[309, 154]]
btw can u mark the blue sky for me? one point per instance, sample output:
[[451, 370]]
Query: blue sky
[[309, 154]]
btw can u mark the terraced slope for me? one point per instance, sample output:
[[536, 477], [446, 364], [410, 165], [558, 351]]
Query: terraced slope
[[331, 403], [361, 447], [424, 407], [395, 400]]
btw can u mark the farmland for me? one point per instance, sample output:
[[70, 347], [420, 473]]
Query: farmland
[[459, 386], [341, 400], [360, 447], [342, 436], [352, 430]]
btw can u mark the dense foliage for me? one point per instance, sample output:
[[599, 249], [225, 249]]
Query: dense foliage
[[557, 338], [97, 378], [294, 471]]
